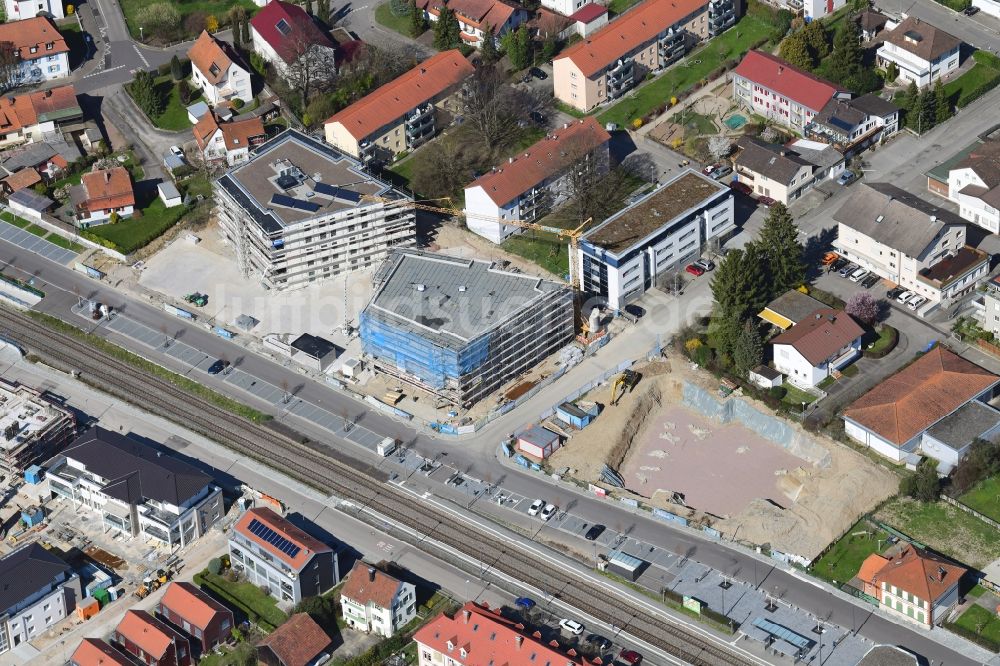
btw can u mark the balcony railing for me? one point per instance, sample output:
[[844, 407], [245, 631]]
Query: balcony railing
[[420, 113], [621, 68]]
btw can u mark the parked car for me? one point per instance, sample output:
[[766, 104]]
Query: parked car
[[630, 656], [548, 512], [594, 532], [971, 10], [176, 150], [766, 202], [571, 626], [634, 310], [694, 270], [598, 641], [741, 187], [535, 507], [706, 264], [838, 264], [710, 168], [721, 171], [218, 367], [538, 73], [848, 269], [538, 117], [905, 296], [858, 275], [847, 178], [527, 603], [870, 281], [915, 303], [894, 292]]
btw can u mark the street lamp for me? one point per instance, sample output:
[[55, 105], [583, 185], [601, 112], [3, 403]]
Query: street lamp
[[140, 33]]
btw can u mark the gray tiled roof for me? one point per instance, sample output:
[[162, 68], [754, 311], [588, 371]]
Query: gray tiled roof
[[773, 161], [874, 105], [965, 424], [26, 571]]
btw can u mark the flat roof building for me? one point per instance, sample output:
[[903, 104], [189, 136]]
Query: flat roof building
[[32, 427], [297, 212], [461, 328], [635, 248]]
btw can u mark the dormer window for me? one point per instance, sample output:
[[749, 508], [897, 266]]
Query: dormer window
[[214, 70], [33, 49], [49, 46]]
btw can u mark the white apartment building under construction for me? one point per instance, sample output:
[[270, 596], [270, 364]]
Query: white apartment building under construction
[[32, 427], [300, 210]]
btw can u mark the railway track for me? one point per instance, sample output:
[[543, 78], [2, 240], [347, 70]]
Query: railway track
[[364, 486]]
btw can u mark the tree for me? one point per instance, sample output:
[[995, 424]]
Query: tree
[[488, 51], [778, 242], [247, 38], [145, 94], [176, 71], [10, 66], [982, 461], [323, 10], [321, 609], [494, 108], [847, 56], [418, 24], [550, 47], [740, 289], [926, 111], [593, 188], [891, 72], [184, 91], [446, 30], [909, 103], [719, 147], [942, 107], [236, 18], [517, 45], [864, 307], [923, 485], [443, 169], [312, 70], [160, 20], [748, 351], [796, 52], [817, 39], [212, 23]]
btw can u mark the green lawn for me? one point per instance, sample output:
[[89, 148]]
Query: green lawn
[[19, 222], [944, 528], [401, 24], [841, 563], [984, 498], [174, 116], [218, 8], [984, 76], [884, 339], [62, 242], [404, 169], [37, 230], [245, 597], [129, 235], [700, 123], [980, 621], [683, 75], [540, 248], [796, 396], [619, 6], [976, 592]]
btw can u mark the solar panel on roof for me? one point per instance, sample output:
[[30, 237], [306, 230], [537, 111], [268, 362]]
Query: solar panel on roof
[[842, 124], [298, 204], [338, 192], [267, 535]]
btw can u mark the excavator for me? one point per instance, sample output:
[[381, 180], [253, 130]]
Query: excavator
[[151, 582], [626, 381]]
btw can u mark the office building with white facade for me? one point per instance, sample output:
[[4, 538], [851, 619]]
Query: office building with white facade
[[38, 591]]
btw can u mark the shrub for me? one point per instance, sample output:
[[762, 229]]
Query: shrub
[[160, 20], [777, 392], [237, 103], [703, 356], [215, 566]]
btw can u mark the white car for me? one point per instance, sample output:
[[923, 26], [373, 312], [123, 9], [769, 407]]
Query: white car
[[176, 150], [915, 303], [571, 626], [905, 296], [858, 275], [535, 507], [549, 511]]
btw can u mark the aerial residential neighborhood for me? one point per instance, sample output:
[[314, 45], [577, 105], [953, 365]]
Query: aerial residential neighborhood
[[494, 332]]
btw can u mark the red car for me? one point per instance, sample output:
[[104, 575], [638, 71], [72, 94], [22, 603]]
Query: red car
[[766, 202], [741, 187], [630, 656], [695, 270]]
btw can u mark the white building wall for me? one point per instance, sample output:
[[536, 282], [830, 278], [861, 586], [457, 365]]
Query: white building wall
[[973, 209], [478, 203], [991, 7], [18, 10], [564, 7], [41, 67], [882, 446], [916, 69], [263, 570], [814, 9]]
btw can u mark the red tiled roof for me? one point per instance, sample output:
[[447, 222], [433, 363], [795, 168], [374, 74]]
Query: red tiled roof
[[400, 96], [303, 31], [920, 573], [477, 13], [108, 188], [208, 51], [589, 12], [238, 133], [638, 26], [871, 566], [205, 129], [308, 545], [17, 111], [151, 635], [19, 180], [789, 81], [298, 641], [918, 396], [489, 638], [359, 586], [542, 160], [821, 335], [35, 33], [96, 652], [192, 604]]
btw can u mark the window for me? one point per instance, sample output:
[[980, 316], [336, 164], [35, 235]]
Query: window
[[283, 27]]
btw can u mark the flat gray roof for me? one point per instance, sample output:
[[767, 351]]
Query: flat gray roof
[[965, 424], [452, 300]]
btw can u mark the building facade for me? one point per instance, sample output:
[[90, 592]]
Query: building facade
[[784, 173], [300, 211], [228, 143], [39, 590], [275, 554], [813, 349], [475, 17], [917, 586], [19, 10], [33, 427], [217, 71], [97, 652], [461, 328], [35, 116], [283, 34], [814, 9], [41, 50], [135, 490], [373, 601], [853, 125], [974, 184], [152, 641], [101, 194], [652, 239], [532, 183], [202, 619], [922, 53]]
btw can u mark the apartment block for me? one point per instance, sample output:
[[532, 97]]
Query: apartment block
[[135, 489], [403, 113], [34, 427], [39, 590], [530, 184], [652, 239], [275, 554], [299, 211], [653, 35], [461, 328]]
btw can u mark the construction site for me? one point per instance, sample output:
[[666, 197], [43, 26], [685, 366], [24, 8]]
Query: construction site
[[33, 427], [668, 437]]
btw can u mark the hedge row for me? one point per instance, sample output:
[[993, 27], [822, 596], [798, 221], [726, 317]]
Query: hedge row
[[970, 635]]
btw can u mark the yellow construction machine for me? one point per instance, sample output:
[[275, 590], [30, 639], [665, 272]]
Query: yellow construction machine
[[626, 381]]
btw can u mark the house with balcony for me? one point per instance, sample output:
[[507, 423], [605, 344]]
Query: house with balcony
[[375, 602], [853, 125], [205, 621], [530, 184], [655, 34], [42, 52], [283, 33], [218, 71], [275, 554], [37, 116], [785, 172], [38, 591], [974, 184], [227, 143], [903, 238], [101, 194], [922, 53], [403, 113], [784, 94], [152, 641], [135, 490], [478, 19], [822, 343]]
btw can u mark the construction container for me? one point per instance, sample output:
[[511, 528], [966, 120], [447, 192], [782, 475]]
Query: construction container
[[88, 608], [626, 566], [102, 596], [33, 475], [538, 442], [32, 516]]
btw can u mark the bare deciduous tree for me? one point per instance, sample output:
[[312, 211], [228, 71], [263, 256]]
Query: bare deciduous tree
[[494, 108], [312, 71]]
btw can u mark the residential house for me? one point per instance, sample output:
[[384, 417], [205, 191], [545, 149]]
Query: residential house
[[650, 240], [20, 180], [549, 24], [32, 163], [922, 53], [218, 71], [97, 652], [564, 7], [903, 239], [991, 309], [476, 17], [18, 10], [528, 185], [35, 427], [153, 642], [852, 125], [871, 23], [135, 489], [373, 601], [914, 585], [647, 38], [784, 94], [228, 143], [282, 33], [772, 170], [789, 309], [402, 114], [815, 9], [974, 184], [894, 417], [273, 553], [297, 642], [813, 349], [101, 194], [42, 52], [37, 115], [477, 634], [200, 617], [39, 590]]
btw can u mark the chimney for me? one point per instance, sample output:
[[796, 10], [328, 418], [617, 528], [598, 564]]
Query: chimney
[[107, 176], [466, 615], [510, 160], [781, 69], [933, 219], [518, 640], [371, 574]]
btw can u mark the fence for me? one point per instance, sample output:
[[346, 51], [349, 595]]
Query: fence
[[969, 510]]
